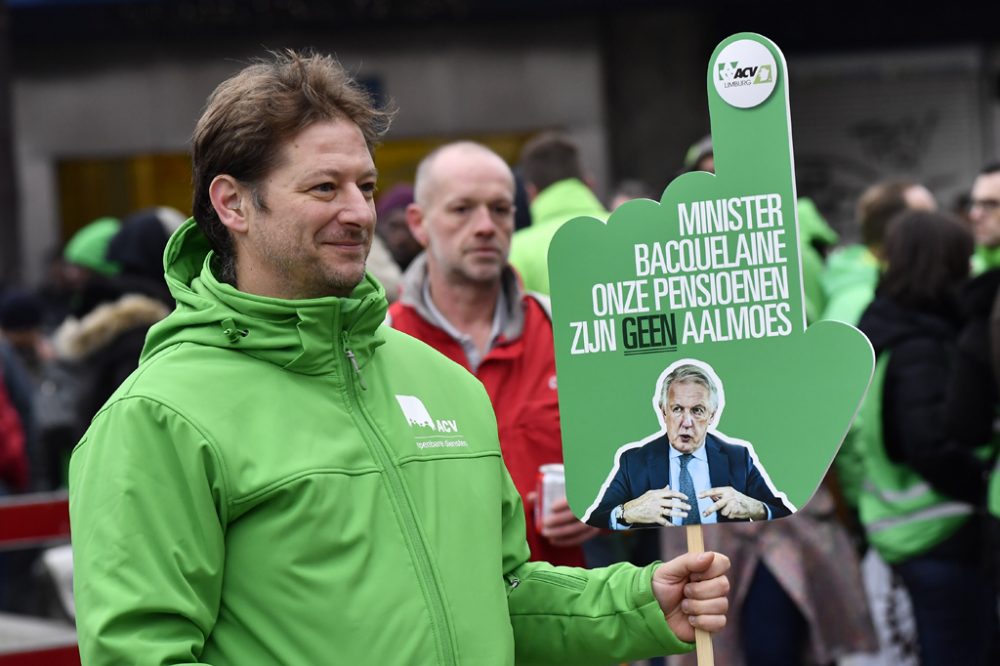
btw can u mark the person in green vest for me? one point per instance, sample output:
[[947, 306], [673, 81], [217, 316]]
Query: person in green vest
[[973, 389], [558, 191], [979, 357], [923, 492], [849, 280]]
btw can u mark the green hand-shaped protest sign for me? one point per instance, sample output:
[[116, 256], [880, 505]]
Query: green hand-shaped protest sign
[[680, 329]]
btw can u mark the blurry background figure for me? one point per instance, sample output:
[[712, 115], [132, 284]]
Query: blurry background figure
[[86, 268], [522, 205], [797, 596], [974, 398], [852, 271], [137, 250], [984, 216], [381, 264], [101, 345], [15, 383], [17, 447], [924, 493], [14, 463], [393, 246], [816, 238], [849, 281], [87, 249], [470, 307], [53, 385], [960, 204], [392, 228], [55, 292], [21, 318], [700, 156], [558, 190], [628, 189]]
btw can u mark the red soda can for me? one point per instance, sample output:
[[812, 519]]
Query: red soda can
[[550, 488]]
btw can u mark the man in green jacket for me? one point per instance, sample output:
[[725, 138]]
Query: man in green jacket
[[558, 192], [286, 480]]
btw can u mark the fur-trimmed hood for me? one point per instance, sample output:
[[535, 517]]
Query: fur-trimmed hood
[[77, 339]]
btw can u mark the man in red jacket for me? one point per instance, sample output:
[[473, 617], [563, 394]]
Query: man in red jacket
[[461, 297]]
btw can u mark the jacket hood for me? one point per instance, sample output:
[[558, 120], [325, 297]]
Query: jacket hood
[[308, 336], [849, 266], [139, 243], [78, 339], [415, 278], [565, 200], [886, 323]]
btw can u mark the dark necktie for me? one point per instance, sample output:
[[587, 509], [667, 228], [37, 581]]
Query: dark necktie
[[687, 487]]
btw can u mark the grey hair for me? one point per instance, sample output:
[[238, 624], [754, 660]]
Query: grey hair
[[690, 373]]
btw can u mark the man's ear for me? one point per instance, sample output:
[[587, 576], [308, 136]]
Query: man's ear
[[415, 221], [228, 197], [531, 190]]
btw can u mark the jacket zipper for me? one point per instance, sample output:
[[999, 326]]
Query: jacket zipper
[[512, 582], [397, 494]]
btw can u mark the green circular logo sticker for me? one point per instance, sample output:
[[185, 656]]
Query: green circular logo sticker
[[745, 73]]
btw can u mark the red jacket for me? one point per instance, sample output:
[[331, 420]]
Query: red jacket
[[519, 374]]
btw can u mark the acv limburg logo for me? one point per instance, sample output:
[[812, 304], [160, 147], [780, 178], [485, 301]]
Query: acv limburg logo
[[745, 73]]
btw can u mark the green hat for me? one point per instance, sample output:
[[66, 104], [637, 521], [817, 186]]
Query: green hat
[[88, 246], [699, 149]]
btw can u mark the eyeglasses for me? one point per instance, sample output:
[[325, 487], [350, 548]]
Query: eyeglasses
[[985, 205]]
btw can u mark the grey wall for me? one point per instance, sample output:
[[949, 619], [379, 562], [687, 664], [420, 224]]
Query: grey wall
[[865, 117], [630, 86], [121, 101]]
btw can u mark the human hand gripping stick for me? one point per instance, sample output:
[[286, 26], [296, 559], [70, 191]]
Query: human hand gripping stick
[[691, 590]]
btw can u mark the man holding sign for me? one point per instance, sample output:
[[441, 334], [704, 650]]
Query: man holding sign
[[686, 475], [286, 479]]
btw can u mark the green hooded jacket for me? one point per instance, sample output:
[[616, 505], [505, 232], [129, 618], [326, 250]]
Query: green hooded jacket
[[554, 206], [814, 232], [849, 281], [292, 482]]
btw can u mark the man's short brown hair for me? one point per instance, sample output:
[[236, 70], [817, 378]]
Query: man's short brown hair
[[878, 204], [250, 115], [549, 158]]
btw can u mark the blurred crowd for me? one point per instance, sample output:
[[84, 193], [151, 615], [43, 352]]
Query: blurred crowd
[[893, 560]]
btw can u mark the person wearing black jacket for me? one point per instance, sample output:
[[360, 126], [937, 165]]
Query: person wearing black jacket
[[104, 343], [916, 318]]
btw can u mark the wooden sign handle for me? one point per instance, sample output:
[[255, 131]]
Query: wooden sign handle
[[702, 639]]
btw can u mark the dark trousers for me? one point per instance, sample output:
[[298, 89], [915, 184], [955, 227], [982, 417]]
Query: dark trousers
[[775, 632], [955, 608]]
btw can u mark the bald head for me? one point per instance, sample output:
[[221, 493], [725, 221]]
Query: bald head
[[463, 212], [442, 163]]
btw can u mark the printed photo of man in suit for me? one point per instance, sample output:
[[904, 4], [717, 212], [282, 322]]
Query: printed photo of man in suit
[[685, 474]]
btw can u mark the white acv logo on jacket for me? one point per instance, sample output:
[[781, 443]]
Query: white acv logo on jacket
[[417, 415]]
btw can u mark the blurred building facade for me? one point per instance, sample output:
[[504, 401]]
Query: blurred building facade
[[104, 94]]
